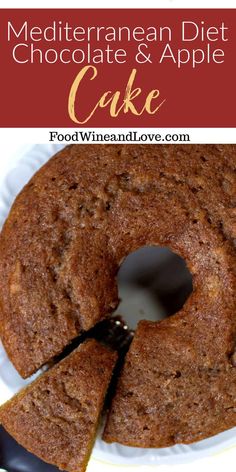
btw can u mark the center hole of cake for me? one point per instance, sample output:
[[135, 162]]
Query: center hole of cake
[[153, 283]]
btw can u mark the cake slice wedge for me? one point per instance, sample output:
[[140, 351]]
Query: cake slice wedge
[[56, 417]]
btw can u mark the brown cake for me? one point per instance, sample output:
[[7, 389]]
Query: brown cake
[[61, 248], [172, 391], [56, 417]]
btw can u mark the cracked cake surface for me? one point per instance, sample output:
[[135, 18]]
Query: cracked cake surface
[[56, 417]]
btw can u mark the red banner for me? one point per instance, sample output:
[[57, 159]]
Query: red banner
[[117, 68]]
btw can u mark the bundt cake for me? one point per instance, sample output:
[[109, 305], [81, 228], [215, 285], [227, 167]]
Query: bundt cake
[[61, 247], [56, 417]]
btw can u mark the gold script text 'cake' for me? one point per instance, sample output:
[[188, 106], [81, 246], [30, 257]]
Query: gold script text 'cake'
[[111, 99]]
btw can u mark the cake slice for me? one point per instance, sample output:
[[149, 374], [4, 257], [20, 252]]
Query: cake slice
[[56, 417]]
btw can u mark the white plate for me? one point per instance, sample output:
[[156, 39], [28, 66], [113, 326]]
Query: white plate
[[29, 160]]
